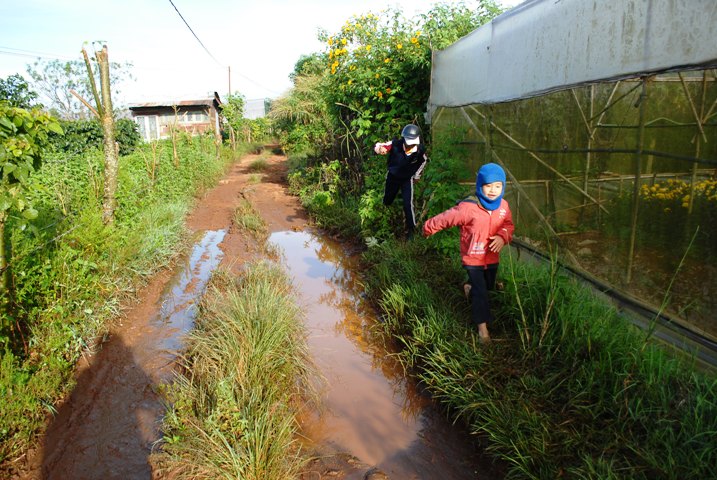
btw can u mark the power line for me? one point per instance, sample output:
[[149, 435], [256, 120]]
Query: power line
[[32, 54], [195, 35], [213, 58]]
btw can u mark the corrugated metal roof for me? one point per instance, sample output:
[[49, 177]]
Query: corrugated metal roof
[[179, 103]]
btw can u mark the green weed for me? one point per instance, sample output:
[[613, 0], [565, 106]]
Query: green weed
[[247, 368], [567, 388], [71, 273]]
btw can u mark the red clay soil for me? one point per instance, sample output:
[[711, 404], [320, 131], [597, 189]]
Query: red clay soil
[[73, 445]]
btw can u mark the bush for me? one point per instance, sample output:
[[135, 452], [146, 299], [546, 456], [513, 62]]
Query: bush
[[83, 135]]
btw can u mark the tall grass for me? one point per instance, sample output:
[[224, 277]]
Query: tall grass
[[568, 388], [249, 221], [245, 372], [72, 273]]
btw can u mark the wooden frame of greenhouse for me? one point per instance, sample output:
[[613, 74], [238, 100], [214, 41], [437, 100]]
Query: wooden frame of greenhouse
[[604, 116]]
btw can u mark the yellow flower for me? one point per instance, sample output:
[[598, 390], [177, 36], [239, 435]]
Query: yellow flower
[[399, 46], [386, 60], [379, 94], [414, 40], [418, 33], [343, 41], [350, 82], [388, 91], [377, 75], [331, 41], [368, 48]]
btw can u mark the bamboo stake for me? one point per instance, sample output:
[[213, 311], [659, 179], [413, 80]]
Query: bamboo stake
[[698, 119], [86, 103], [514, 181], [93, 84], [636, 189], [542, 162], [438, 115], [536, 210], [470, 122]]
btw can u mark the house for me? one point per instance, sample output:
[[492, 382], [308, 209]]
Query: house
[[156, 119]]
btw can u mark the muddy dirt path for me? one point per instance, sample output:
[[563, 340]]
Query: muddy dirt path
[[107, 426]]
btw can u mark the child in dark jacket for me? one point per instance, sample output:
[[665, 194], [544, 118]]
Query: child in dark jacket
[[406, 160], [486, 226]]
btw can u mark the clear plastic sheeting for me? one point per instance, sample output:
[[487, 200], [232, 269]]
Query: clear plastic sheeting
[[546, 45], [620, 176]]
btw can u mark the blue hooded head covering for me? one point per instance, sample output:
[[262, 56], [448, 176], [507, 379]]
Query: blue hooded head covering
[[489, 173]]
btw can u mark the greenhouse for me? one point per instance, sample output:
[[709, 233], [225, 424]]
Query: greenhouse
[[604, 115]]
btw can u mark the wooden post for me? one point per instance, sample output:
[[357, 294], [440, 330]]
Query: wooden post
[[636, 189], [109, 203]]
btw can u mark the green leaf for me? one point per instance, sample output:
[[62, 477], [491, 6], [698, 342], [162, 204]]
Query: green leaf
[[5, 122], [30, 213], [55, 127]]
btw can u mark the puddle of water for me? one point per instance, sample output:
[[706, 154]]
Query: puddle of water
[[370, 410], [107, 426], [178, 305]]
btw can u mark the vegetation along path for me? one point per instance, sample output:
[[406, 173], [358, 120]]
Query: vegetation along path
[[373, 422]]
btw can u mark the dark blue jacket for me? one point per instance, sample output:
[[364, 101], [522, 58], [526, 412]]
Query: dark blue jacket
[[405, 166]]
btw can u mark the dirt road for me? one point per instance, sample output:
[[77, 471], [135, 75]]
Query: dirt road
[[108, 425]]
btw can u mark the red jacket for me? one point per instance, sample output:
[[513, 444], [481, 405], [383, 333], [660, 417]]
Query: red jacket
[[477, 226]]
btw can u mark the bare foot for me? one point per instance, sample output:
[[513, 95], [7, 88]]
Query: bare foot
[[467, 290], [483, 333]]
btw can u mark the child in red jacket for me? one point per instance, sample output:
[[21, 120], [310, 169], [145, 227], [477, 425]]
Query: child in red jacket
[[486, 226]]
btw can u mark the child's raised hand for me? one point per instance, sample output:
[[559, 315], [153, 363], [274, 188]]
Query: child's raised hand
[[496, 243]]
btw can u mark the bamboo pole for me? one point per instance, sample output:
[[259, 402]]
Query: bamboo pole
[[636, 189], [93, 84], [700, 119], [514, 181], [540, 160]]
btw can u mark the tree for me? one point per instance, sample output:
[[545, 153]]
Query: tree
[[23, 135], [233, 113], [15, 90], [55, 80]]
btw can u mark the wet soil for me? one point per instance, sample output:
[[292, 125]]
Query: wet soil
[[375, 423]]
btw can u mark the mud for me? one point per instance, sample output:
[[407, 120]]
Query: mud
[[370, 409], [374, 422]]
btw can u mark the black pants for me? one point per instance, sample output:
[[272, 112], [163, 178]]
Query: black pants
[[405, 185], [482, 280]]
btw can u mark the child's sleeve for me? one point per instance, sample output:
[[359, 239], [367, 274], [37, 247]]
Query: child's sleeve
[[450, 218], [382, 148], [506, 230]]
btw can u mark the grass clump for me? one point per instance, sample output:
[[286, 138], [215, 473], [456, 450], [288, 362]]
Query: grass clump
[[248, 220], [259, 164], [246, 371]]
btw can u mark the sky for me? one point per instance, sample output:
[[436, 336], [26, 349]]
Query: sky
[[252, 45]]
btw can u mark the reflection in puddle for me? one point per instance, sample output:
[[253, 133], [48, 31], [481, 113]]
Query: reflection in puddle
[[108, 425], [370, 409], [179, 301]]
